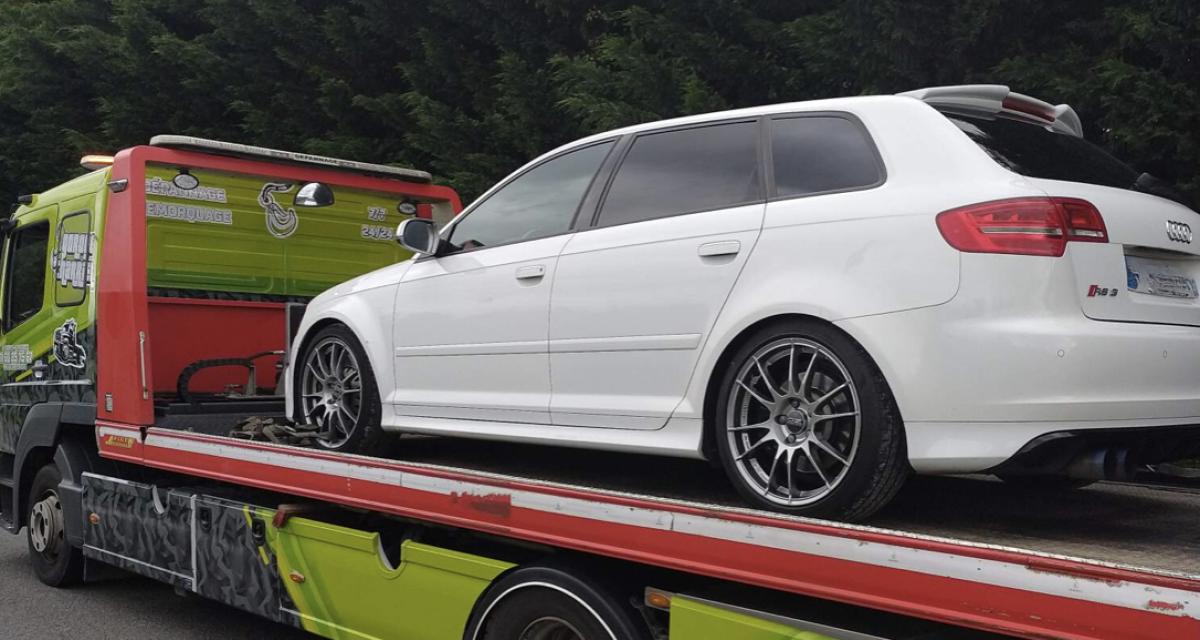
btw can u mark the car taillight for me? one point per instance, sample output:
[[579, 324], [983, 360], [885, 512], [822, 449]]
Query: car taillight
[[1022, 226]]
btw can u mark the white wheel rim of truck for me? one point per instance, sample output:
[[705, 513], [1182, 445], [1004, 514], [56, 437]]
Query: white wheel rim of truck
[[793, 421]]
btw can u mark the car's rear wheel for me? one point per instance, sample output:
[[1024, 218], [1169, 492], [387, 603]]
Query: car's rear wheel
[[336, 391], [805, 424]]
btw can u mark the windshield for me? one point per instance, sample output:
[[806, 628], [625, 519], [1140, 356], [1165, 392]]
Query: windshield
[[1035, 151]]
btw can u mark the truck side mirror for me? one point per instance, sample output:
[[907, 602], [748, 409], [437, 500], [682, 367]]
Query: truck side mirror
[[314, 194], [419, 236]]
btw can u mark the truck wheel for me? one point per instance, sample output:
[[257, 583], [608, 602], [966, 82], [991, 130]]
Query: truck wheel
[[55, 561], [336, 390], [805, 424], [542, 603]]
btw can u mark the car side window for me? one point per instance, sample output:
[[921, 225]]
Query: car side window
[[818, 154], [685, 171], [540, 202], [25, 282]]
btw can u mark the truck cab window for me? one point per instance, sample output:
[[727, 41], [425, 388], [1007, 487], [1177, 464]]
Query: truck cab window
[[24, 285]]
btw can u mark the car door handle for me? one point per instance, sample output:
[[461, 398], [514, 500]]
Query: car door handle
[[531, 272], [722, 248]]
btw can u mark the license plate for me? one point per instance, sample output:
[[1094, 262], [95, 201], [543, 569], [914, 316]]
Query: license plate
[[1157, 278]]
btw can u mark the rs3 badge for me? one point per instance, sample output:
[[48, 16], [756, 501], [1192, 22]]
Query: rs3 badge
[[1097, 291]]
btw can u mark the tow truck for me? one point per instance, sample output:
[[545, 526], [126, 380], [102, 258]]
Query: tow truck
[[147, 310]]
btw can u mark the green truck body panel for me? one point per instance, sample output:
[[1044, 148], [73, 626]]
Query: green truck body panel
[[348, 591], [692, 620], [241, 234]]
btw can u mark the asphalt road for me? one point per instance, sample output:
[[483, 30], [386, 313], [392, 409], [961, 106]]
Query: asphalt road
[[114, 610]]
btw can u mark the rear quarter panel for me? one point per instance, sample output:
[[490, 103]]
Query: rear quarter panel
[[868, 252]]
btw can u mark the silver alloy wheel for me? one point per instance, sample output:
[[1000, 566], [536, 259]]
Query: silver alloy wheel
[[793, 421], [46, 528], [550, 628], [331, 391]]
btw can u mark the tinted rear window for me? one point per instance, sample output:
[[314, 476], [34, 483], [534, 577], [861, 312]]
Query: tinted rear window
[[1035, 151], [685, 171], [815, 154]]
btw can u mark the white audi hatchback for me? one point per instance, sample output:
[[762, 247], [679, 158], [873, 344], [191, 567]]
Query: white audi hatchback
[[820, 296]]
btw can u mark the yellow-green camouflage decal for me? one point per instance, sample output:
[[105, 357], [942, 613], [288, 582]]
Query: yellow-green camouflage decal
[[343, 588], [692, 620]]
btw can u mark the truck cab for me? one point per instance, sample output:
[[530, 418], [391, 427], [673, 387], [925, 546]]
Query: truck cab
[[160, 287]]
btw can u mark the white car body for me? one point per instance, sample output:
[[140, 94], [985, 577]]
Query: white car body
[[610, 337]]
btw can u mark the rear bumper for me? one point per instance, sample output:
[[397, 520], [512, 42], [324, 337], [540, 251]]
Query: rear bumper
[[1052, 453], [1042, 447], [1005, 362]]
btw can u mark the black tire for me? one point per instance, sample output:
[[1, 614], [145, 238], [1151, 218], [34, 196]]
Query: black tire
[[367, 436], [559, 601], [58, 564], [878, 466], [1046, 482]]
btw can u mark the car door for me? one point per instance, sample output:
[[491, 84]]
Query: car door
[[636, 295], [471, 326]]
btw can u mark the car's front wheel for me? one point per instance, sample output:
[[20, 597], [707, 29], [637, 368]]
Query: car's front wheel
[[336, 392], [805, 424]]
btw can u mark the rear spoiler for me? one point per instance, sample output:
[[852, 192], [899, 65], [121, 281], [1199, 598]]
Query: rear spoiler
[[996, 98], [203, 145]]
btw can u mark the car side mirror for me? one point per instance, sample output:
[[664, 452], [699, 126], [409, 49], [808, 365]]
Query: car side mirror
[[314, 194], [419, 236]]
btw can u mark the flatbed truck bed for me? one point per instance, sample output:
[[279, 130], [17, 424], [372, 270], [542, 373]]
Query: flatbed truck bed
[[1113, 561], [1145, 526]]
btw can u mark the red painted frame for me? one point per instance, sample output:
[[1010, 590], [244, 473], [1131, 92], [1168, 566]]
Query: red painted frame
[[215, 329], [124, 343]]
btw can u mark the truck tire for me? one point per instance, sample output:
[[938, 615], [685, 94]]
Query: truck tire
[[543, 602], [805, 424], [55, 562]]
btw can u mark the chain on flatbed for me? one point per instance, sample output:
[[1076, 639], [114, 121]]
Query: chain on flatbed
[[275, 430]]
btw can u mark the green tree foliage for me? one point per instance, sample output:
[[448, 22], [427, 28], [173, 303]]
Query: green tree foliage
[[471, 89]]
